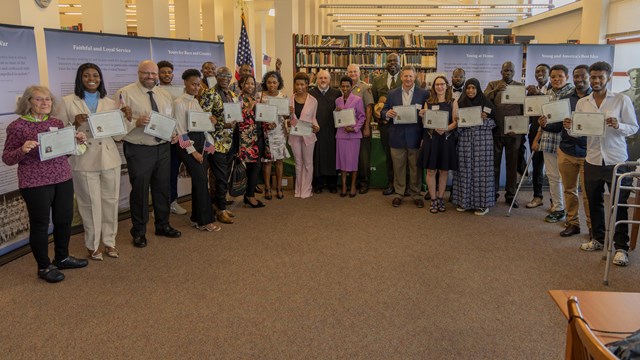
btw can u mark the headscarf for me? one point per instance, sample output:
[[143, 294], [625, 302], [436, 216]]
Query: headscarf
[[479, 100]]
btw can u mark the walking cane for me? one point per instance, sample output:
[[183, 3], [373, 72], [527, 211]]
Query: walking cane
[[520, 184]]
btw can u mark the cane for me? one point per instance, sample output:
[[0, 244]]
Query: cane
[[520, 184]]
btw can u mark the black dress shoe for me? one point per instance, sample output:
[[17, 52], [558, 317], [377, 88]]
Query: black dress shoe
[[388, 191], [169, 232], [258, 203], [364, 189], [396, 202], [70, 263], [427, 196], [258, 190], [317, 190], [515, 203], [333, 190], [140, 241], [570, 230], [51, 274]]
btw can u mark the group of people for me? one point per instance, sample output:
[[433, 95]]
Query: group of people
[[472, 154]]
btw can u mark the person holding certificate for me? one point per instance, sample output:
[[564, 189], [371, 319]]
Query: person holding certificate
[[404, 139], [275, 144], [473, 183], [251, 139], [46, 186], [548, 139], [187, 151], [348, 138], [439, 145], [303, 109], [96, 173]]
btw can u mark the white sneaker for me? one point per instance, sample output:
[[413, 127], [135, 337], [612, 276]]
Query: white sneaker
[[592, 245], [177, 209], [481, 211], [461, 209], [621, 258]]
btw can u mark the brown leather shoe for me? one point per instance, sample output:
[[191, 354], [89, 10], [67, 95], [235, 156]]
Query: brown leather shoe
[[396, 202], [570, 230], [224, 217]]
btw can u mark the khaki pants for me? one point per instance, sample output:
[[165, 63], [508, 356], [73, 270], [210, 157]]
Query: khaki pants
[[571, 170], [400, 158]]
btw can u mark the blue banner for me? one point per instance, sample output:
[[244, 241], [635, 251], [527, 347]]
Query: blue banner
[[18, 70], [184, 54], [480, 61], [569, 55]]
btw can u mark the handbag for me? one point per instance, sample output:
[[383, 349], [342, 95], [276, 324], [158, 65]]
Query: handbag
[[237, 178]]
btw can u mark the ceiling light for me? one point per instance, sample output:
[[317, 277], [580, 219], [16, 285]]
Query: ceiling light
[[471, 15], [417, 26], [63, 5], [412, 21], [71, 13], [424, 6], [272, 12], [130, 11], [376, 15]]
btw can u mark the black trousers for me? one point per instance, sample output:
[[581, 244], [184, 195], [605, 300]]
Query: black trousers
[[537, 162], [364, 161], [201, 211], [384, 139], [594, 178], [253, 171], [219, 163], [511, 146], [175, 169], [57, 198], [149, 167]]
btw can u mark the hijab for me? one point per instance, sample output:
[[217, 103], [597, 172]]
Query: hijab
[[478, 100]]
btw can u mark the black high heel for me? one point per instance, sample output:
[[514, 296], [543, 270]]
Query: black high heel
[[267, 194], [258, 205], [279, 194]]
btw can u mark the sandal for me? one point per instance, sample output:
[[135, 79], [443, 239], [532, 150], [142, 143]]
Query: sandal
[[95, 255], [279, 193], [111, 252], [434, 207], [441, 207], [267, 194], [209, 227]]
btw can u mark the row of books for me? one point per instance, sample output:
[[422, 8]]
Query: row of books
[[320, 41], [321, 59], [487, 39], [368, 40], [73, 28], [419, 41], [425, 61], [318, 58]]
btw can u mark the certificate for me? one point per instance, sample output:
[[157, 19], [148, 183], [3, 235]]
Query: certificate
[[281, 103], [302, 128], [174, 90], [435, 119], [514, 94], [160, 126], [199, 121], [587, 124], [533, 104], [516, 124], [431, 77], [107, 124], [405, 114], [266, 113], [344, 118], [232, 112], [556, 111], [53, 144], [470, 116], [212, 81]]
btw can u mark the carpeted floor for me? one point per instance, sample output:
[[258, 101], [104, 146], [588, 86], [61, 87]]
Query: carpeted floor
[[321, 278]]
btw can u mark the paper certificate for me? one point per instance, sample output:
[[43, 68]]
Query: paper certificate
[[199, 121], [470, 116], [302, 128], [587, 124], [53, 144], [533, 104], [174, 90], [431, 77], [160, 126], [514, 94], [281, 103], [232, 112], [107, 124], [212, 81], [344, 118], [516, 124], [435, 119], [557, 111], [266, 113], [405, 114]]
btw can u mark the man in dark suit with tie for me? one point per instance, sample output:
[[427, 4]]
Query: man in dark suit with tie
[[404, 139], [380, 88]]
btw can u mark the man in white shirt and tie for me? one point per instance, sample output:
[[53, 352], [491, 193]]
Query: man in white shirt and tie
[[603, 153]]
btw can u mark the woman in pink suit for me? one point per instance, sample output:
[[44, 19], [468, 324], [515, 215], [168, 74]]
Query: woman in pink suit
[[348, 137], [303, 109]]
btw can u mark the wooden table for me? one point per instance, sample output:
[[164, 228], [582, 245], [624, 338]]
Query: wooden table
[[604, 310]]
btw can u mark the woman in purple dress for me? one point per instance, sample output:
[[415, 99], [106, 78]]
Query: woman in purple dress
[[348, 137]]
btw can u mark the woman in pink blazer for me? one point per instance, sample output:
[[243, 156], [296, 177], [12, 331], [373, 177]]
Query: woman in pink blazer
[[348, 137], [303, 110]]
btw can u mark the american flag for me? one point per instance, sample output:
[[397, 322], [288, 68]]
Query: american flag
[[266, 59], [244, 50], [184, 141], [208, 144]]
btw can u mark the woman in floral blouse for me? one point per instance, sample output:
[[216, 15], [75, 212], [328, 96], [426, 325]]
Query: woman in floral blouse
[[251, 139]]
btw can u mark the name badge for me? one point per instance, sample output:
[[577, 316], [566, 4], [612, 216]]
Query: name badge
[[435, 107], [486, 109]]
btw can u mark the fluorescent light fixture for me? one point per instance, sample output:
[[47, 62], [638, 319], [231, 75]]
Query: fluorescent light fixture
[[470, 15], [71, 13], [412, 21], [130, 11], [376, 15], [416, 26], [131, 20], [64, 5], [272, 12], [478, 15], [424, 6], [131, 6]]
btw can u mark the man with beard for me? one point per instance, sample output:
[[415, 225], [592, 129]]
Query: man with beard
[[380, 87], [542, 77], [603, 153], [457, 82], [509, 143], [363, 90], [324, 154]]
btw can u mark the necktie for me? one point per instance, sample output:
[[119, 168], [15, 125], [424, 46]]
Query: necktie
[[154, 107], [393, 81]]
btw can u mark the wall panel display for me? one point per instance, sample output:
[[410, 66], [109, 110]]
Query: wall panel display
[[184, 54], [569, 55]]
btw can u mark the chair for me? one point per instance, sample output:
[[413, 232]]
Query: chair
[[582, 343]]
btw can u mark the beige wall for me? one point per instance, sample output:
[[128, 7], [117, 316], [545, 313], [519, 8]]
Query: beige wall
[[623, 17], [553, 30]]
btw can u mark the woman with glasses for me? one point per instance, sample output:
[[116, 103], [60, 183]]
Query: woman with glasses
[[45, 185]]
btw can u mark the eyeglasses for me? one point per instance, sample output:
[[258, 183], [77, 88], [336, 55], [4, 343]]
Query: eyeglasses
[[148, 73], [225, 76], [39, 99]]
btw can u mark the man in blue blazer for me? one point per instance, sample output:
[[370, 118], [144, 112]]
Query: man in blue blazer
[[404, 139]]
